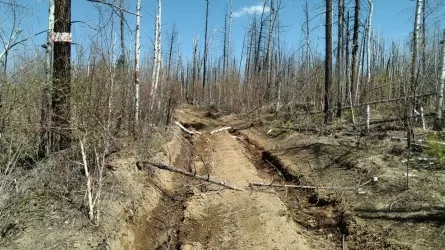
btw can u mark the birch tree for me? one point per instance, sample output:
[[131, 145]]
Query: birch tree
[[137, 66], [413, 75], [438, 121], [368, 42], [157, 56]]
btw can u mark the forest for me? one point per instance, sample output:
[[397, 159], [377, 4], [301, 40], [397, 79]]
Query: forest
[[132, 126]]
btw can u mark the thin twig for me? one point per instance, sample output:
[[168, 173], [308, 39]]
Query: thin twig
[[298, 186], [114, 6]]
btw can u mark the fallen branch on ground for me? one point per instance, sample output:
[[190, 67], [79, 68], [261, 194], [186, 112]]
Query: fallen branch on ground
[[420, 141], [198, 177], [186, 130], [220, 129], [253, 184]]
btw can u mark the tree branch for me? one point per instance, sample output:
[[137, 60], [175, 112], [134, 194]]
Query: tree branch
[[198, 177], [114, 6]]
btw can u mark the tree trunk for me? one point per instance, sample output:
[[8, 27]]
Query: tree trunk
[[413, 76], [355, 53], [339, 63], [368, 44], [157, 57], [137, 66], [45, 141], [328, 65], [61, 136], [204, 71], [438, 121]]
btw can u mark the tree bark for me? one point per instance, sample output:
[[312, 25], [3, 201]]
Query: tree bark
[[339, 62], [137, 66], [204, 71], [410, 105], [438, 121], [157, 57], [61, 136], [368, 43], [328, 64], [45, 140], [355, 54]]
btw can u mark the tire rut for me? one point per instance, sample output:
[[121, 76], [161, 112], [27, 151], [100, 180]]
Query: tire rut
[[226, 219]]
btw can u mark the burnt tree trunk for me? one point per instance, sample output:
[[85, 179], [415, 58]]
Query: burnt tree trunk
[[60, 133], [328, 65]]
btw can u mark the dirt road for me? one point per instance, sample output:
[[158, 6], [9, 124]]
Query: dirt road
[[227, 219]]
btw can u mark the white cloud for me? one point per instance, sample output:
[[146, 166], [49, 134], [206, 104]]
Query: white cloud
[[251, 10]]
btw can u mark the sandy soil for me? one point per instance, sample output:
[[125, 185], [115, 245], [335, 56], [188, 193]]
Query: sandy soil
[[229, 219], [170, 211]]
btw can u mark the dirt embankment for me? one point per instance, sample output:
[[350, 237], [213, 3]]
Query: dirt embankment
[[147, 208]]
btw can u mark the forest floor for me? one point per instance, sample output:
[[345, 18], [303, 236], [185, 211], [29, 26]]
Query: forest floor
[[361, 201]]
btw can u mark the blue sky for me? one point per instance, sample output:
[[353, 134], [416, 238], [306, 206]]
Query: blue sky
[[392, 18]]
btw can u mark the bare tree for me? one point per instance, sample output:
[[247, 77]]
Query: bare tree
[[438, 121], [355, 54], [368, 42], [137, 66], [339, 61], [60, 135], [204, 71], [328, 64], [44, 146], [410, 105], [157, 61]]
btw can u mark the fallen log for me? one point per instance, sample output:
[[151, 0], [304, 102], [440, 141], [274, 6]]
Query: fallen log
[[186, 130], [254, 184], [388, 100], [192, 175], [419, 141], [220, 129]]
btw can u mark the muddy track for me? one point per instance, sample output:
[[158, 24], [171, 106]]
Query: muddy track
[[200, 215], [204, 216]]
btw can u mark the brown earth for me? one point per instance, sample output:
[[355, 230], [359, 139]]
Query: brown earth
[[171, 211]]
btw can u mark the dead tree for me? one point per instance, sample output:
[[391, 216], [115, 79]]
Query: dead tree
[[438, 121], [204, 71], [173, 36], [269, 50], [60, 134], [328, 65], [410, 105], [137, 66], [157, 61], [355, 54], [339, 61], [368, 43], [45, 119], [194, 70], [122, 31]]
